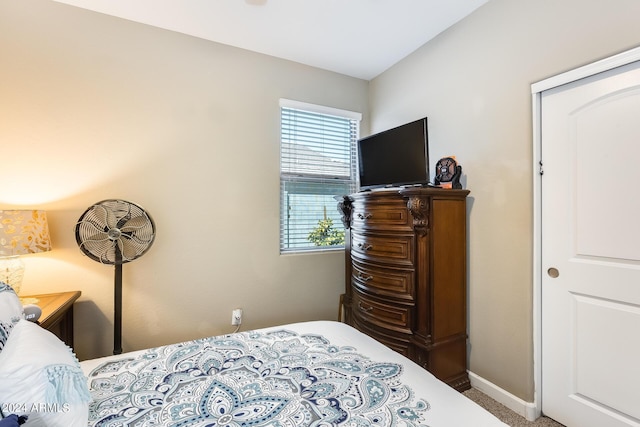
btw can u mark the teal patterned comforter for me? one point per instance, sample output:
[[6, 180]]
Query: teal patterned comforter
[[277, 378]]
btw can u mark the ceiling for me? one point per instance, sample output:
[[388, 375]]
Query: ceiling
[[359, 38]]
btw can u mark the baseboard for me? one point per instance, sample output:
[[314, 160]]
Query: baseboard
[[526, 409]]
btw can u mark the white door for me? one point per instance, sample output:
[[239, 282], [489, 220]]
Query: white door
[[590, 149]]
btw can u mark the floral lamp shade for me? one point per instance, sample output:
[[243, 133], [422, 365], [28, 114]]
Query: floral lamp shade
[[22, 232]]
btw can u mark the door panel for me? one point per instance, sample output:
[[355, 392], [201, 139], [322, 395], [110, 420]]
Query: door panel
[[603, 374], [591, 235], [605, 132]]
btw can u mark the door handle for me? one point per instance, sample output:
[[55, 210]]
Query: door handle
[[553, 272]]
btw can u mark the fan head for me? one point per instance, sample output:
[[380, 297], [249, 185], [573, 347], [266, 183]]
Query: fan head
[[115, 232], [445, 169]]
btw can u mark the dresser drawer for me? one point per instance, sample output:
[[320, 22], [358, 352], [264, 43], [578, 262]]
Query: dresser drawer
[[383, 281], [395, 341], [397, 248], [384, 314], [385, 215]]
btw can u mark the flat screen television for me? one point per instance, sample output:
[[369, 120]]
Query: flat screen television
[[396, 157]]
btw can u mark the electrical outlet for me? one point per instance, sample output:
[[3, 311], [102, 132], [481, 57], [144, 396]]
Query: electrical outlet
[[236, 317]]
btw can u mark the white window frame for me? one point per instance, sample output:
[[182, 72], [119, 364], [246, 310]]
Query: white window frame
[[289, 179]]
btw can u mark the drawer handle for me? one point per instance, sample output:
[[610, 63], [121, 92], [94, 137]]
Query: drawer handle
[[364, 309], [365, 216], [364, 247], [364, 278]]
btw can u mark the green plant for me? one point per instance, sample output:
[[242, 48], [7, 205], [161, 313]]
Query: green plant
[[325, 235]]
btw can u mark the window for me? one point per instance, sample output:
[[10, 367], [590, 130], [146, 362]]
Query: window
[[317, 163]]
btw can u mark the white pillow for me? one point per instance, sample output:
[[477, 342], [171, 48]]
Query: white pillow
[[10, 311], [41, 377]]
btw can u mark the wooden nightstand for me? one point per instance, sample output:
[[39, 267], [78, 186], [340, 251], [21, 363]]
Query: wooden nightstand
[[57, 313]]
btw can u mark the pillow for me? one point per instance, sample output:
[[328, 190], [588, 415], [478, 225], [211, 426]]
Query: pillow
[[10, 311], [10, 305], [41, 377], [5, 330]]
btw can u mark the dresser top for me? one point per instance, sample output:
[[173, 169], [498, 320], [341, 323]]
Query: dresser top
[[434, 192]]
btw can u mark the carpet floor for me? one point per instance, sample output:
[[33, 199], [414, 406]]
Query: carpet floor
[[505, 414]]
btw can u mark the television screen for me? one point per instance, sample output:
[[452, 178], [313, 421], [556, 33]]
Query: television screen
[[395, 157]]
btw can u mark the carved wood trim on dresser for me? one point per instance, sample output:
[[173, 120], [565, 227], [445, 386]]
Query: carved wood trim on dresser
[[405, 258]]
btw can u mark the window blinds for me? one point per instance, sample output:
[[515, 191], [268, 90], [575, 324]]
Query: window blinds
[[317, 162]]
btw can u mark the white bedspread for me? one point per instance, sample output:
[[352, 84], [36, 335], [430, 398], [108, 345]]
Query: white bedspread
[[305, 374]]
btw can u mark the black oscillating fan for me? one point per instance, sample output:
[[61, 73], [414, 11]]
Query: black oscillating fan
[[115, 232]]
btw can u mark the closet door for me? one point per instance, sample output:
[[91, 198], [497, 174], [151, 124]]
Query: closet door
[[590, 133]]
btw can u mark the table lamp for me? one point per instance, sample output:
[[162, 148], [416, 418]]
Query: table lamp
[[21, 232]]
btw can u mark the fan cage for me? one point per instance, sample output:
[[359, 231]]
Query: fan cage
[[115, 232], [445, 169]]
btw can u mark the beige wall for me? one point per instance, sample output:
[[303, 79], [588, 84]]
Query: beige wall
[[94, 107], [474, 84]]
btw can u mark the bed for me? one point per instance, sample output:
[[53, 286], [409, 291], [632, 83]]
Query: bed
[[319, 373]]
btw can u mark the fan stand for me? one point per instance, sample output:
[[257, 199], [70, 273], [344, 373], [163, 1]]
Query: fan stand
[[117, 304], [115, 232]]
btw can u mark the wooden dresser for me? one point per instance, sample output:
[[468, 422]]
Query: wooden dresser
[[406, 274]]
